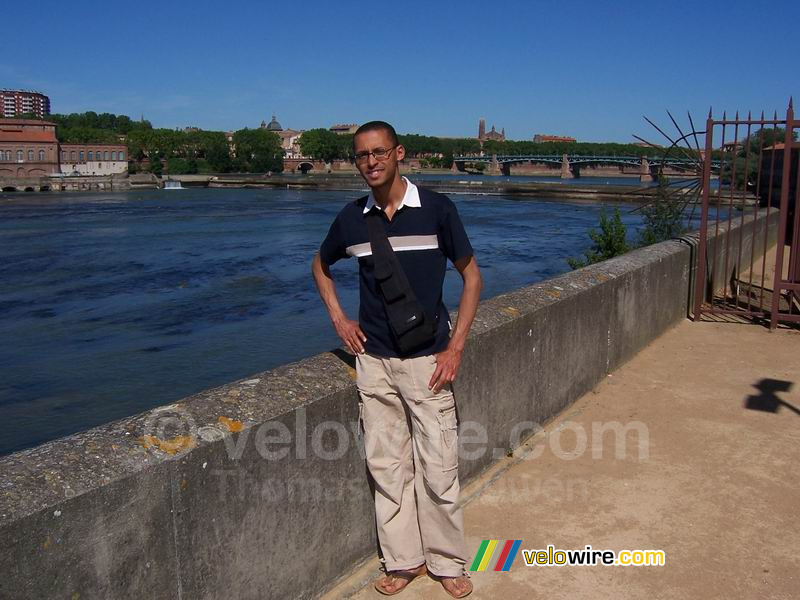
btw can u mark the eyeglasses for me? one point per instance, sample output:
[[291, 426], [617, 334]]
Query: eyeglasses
[[380, 154]]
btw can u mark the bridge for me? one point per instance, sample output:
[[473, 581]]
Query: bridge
[[571, 165], [306, 165]]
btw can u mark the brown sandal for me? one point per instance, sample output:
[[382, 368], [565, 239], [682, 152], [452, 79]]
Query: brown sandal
[[389, 578], [463, 595]]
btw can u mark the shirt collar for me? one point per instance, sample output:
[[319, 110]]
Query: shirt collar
[[410, 198]]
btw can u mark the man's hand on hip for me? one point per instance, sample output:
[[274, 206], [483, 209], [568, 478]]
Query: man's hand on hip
[[351, 334], [447, 363]]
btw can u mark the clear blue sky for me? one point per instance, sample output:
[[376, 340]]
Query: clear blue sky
[[586, 69]]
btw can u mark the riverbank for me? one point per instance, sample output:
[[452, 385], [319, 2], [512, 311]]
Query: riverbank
[[460, 185], [601, 189], [586, 189]]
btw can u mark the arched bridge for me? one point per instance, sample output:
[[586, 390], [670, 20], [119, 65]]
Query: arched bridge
[[571, 165]]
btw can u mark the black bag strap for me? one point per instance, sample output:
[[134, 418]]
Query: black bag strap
[[389, 272], [412, 328]]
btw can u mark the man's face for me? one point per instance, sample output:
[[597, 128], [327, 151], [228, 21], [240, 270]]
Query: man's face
[[377, 172]]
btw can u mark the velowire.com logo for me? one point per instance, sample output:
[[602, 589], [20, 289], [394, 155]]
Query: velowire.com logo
[[500, 553]]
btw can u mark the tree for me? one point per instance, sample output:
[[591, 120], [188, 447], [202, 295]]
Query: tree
[[734, 169], [322, 144], [217, 153], [764, 138], [447, 159], [144, 142], [609, 242], [259, 150], [156, 166], [91, 127], [493, 147], [182, 166], [663, 218]]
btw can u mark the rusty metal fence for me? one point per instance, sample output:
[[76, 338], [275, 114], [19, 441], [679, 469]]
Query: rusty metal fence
[[759, 176]]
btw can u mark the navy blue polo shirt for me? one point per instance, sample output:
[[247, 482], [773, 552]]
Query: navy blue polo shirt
[[424, 232]]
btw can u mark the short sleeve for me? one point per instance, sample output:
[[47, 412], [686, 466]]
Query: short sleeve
[[333, 246], [455, 242]]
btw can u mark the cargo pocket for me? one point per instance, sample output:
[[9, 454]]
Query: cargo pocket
[[448, 426]]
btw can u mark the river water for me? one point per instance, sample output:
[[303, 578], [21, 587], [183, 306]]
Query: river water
[[113, 303]]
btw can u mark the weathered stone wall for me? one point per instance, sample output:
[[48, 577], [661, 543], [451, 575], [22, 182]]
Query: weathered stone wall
[[257, 489], [65, 184]]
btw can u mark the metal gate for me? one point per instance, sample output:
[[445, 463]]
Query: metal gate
[[739, 270]]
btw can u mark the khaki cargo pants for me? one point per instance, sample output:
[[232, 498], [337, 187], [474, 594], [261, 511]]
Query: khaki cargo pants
[[411, 446]]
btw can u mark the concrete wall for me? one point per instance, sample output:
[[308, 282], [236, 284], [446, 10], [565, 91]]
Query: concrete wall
[[730, 252], [186, 501]]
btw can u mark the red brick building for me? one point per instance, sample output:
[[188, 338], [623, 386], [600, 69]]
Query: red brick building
[[20, 102], [493, 135], [28, 148]]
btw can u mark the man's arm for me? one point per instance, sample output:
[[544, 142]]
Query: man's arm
[[347, 330], [448, 361]]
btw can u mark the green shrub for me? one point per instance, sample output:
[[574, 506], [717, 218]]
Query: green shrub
[[608, 242]]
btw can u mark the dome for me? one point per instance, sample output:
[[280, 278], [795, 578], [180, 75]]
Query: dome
[[274, 125]]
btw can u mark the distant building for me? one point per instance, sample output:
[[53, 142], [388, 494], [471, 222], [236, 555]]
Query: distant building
[[93, 159], [28, 148], [344, 128], [541, 138], [20, 102], [733, 146], [191, 129], [273, 125], [492, 135], [290, 138], [290, 141]]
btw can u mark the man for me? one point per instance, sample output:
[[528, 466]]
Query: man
[[406, 404]]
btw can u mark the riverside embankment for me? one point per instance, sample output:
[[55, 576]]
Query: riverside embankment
[[573, 190], [257, 489], [613, 189]]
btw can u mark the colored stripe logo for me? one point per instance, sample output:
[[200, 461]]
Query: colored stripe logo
[[503, 552]]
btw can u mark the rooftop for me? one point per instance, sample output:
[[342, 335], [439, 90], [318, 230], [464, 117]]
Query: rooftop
[[7, 90], [273, 125], [16, 134], [17, 122]]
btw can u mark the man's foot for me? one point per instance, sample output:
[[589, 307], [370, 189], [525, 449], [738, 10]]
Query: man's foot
[[395, 582], [457, 587]]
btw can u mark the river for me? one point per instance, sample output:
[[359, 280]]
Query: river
[[113, 303]]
